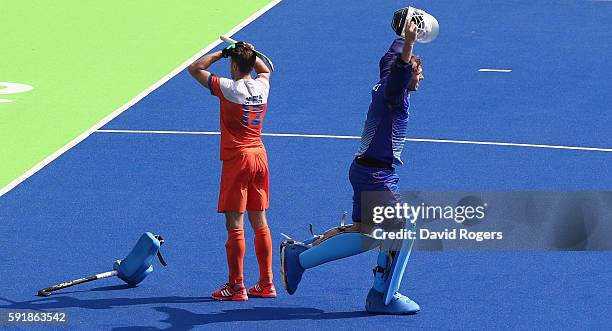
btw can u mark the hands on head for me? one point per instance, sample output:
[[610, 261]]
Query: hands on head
[[249, 46], [229, 50]]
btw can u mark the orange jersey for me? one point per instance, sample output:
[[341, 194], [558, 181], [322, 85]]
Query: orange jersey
[[243, 107]]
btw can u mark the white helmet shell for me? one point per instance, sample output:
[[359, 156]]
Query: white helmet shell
[[427, 25]]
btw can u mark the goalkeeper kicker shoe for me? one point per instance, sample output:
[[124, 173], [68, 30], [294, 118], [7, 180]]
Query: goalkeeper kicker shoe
[[399, 305], [291, 269]]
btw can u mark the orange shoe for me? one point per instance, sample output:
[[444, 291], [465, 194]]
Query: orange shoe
[[263, 291], [229, 293]]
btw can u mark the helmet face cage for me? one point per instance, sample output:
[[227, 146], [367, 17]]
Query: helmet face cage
[[427, 25], [418, 17]]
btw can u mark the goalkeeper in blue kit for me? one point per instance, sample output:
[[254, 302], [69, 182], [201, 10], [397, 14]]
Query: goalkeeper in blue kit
[[373, 169]]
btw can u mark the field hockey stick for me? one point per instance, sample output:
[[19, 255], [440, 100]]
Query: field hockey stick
[[133, 269], [259, 54], [45, 292]]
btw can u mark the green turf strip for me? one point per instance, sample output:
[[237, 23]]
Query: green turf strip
[[84, 59]]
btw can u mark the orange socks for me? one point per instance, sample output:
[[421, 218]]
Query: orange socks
[[263, 250], [234, 248]]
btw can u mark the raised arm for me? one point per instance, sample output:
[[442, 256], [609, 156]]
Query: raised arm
[[198, 69], [260, 67], [401, 69], [410, 35]]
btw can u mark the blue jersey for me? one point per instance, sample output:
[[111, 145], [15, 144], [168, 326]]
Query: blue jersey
[[385, 127]]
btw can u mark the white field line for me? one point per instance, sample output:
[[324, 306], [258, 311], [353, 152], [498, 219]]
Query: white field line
[[495, 70], [132, 102], [442, 141]]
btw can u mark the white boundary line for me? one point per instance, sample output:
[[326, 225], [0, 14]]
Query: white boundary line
[[495, 70], [442, 141], [132, 102]]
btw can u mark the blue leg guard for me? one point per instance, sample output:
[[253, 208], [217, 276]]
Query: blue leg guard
[[337, 247], [399, 259], [335, 244], [383, 298], [382, 263], [139, 263]]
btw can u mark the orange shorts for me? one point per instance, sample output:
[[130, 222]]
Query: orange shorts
[[245, 182]]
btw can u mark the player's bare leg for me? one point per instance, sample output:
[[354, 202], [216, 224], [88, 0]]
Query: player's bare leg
[[234, 220], [258, 219]]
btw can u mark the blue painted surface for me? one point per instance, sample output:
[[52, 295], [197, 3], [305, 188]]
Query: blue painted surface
[[87, 208]]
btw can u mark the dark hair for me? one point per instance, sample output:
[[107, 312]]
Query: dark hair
[[415, 59], [244, 59]]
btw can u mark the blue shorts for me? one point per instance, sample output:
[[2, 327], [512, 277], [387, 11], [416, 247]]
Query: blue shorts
[[365, 179]]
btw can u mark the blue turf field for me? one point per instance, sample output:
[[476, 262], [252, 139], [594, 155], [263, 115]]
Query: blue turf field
[[86, 209]]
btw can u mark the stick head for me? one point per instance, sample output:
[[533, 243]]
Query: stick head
[[427, 25]]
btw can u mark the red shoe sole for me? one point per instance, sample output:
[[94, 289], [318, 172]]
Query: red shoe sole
[[245, 298], [232, 298], [261, 295]]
